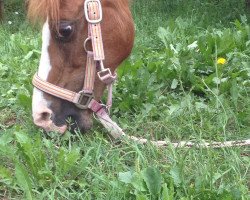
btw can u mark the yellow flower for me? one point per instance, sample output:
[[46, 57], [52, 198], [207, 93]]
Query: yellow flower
[[221, 61]]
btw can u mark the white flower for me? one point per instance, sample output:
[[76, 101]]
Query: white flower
[[9, 22], [17, 13]]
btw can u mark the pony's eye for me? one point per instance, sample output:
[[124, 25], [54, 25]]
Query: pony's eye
[[65, 31]]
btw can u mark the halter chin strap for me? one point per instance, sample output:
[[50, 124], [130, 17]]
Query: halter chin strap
[[85, 98]]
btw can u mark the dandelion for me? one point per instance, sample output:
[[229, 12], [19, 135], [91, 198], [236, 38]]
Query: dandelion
[[221, 61]]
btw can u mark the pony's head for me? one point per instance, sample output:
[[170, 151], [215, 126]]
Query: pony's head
[[63, 57]]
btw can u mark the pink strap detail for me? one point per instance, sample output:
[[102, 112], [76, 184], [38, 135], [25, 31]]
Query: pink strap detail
[[95, 106], [90, 71], [114, 130], [110, 96]]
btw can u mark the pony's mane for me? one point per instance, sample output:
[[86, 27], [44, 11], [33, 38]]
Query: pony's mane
[[40, 10]]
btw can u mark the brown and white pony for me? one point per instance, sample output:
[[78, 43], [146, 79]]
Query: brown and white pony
[[63, 57]]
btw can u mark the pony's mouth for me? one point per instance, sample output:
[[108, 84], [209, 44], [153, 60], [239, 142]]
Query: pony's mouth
[[83, 121], [74, 124], [78, 122]]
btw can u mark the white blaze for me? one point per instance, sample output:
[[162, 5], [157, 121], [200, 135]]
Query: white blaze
[[39, 102]]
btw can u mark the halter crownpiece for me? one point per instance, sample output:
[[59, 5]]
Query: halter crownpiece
[[85, 98]]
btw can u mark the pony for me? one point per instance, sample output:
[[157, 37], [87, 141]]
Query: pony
[[63, 57]]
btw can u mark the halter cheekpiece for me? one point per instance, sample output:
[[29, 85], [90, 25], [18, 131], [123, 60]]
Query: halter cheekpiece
[[85, 98]]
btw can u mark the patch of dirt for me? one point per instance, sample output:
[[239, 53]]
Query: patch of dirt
[[7, 118], [10, 122]]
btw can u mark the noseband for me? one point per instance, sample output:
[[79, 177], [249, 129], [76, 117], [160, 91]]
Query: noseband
[[85, 98]]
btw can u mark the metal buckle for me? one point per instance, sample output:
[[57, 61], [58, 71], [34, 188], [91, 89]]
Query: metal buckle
[[84, 100], [87, 15], [104, 74]]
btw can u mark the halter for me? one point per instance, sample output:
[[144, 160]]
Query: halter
[[85, 98]]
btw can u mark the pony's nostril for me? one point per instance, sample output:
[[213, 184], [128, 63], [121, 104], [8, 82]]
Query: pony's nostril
[[42, 116], [45, 116]]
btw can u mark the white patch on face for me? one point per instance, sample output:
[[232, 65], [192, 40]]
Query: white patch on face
[[39, 101], [45, 66]]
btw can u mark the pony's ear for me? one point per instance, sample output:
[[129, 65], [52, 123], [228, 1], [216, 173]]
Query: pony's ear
[[40, 10]]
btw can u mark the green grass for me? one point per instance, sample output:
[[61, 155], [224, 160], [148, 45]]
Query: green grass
[[171, 88]]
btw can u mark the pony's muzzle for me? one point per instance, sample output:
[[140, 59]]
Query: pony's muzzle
[[42, 119]]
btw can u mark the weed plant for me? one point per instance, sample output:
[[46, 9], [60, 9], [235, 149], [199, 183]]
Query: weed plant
[[188, 78]]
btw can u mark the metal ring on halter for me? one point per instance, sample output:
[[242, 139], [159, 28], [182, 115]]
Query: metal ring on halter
[[85, 44]]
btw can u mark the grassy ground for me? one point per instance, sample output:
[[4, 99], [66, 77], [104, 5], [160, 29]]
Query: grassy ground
[[171, 88]]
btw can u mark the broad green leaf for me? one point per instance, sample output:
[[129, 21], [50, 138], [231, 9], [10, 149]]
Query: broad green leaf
[[141, 197], [5, 174], [173, 108], [125, 177], [22, 138], [25, 101], [166, 194], [163, 35], [234, 92], [5, 139], [200, 106], [23, 180], [138, 182], [152, 177], [26, 144], [175, 174], [218, 175], [67, 160], [7, 151], [174, 84]]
